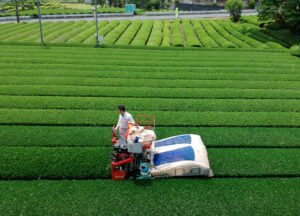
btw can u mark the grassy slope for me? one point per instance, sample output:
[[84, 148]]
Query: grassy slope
[[268, 196]]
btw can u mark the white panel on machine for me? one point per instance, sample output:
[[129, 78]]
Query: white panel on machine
[[182, 155]]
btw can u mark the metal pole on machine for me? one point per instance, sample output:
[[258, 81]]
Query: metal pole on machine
[[96, 15], [40, 21]]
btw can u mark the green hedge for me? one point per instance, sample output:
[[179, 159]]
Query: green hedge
[[59, 136], [177, 35], [93, 162], [242, 196], [164, 118], [17, 30], [73, 32], [229, 36], [211, 31], [62, 29], [53, 90], [156, 34], [83, 35], [143, 34], [150, 104], [248, 40], [49, 29], [202, 74], [154, 83], [113, 36], [129, 33], [144, 63], [26, 33], [54, 163], [205, 39], [189, 34], [102, 31], [166, 41], [256, 34]]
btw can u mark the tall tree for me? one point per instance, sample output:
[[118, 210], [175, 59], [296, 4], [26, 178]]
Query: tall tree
[[286, 13]]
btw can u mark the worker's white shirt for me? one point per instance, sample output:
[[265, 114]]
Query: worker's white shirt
[[127, 117]]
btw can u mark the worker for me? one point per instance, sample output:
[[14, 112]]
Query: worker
[[125, 119]]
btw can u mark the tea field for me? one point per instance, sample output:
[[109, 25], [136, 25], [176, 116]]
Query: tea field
[[57, 106], [150, 33]]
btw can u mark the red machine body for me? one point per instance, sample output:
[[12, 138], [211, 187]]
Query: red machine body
[[121, 163]]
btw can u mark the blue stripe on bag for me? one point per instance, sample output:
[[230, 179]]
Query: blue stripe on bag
[[181, 154], [183, 139]]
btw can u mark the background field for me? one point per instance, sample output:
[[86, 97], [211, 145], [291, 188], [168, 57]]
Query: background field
[[157, 33], [58, 105]]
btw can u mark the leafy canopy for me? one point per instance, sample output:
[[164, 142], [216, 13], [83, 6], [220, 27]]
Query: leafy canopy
[[286, 13], [234, 7]]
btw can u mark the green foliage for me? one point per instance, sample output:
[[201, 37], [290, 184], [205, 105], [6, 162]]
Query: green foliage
[[284, 12], [189, 34], [193, 33], [166, 41], [113, 35], [59, 136], [150, 104], [251, 4], [179, 196], [54, 163], [156, 34], [177, 36], [234, 7], [204, 38], [129, 33], [93, 162], [143, 34], [211, 31]]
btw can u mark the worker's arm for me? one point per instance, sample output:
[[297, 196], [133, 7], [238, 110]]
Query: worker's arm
[[130, 119]]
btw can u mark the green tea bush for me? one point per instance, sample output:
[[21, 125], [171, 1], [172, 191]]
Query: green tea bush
[[257, 36], [216, 36], [121, 82], [177, 36], [204, 38], [166, 41], [26, 33], [102, 31], [150, 104], [147, 92], [87, 32], [19, 29], [60, 136], [189, 34], [248, 40], [62, 29], [129, 33], [142, 36], [93, 162], [236, 41], [49, 29], [76, 29], [156, 34], [113, 35]]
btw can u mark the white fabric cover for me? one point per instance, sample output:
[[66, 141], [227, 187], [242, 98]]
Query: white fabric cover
[[183, 155]]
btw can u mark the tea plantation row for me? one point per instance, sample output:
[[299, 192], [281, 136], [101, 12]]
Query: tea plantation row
[[58, 105], [165, 33]]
